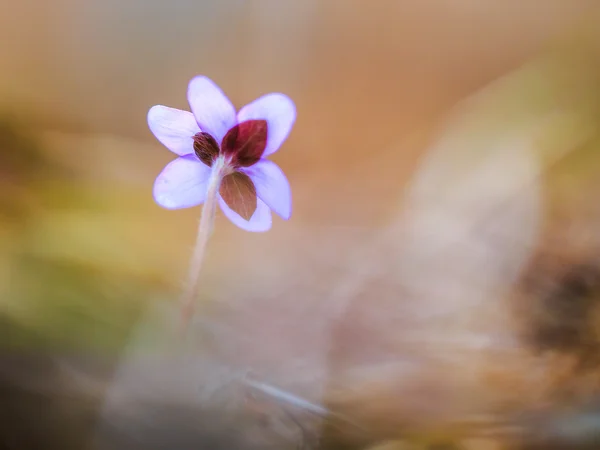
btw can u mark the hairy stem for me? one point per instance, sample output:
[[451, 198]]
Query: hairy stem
[[207, 219]]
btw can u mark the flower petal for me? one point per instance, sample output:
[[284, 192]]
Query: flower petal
[[260, 220], [174, 128], [213, 111], [280, 113], [272, 186], [182, 183]]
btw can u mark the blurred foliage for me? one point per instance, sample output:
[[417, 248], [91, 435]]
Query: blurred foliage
[[74, 274], [20, 163], [51, 299], [69, 306]]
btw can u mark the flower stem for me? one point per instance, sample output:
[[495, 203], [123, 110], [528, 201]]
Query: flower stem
[[207, 219]]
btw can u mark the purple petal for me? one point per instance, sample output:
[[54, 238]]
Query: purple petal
[[279, 112], [272, 186], [260, 220], [182, 183], [214, 112], [174, 128]]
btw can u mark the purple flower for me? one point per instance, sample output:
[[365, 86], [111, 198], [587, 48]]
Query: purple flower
[[213, 136]]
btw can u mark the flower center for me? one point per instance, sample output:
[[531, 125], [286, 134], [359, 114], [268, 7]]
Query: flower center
[[242, 146]]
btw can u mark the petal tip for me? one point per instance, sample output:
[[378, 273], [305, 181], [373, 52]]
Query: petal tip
[[288, 103], [214, 112], [153, 112], [202, 81], [167, 203], [181, 184], [163, 202], [265, 227], [260, 221], [285, 212], [159, 197], [174, 128], [286, 216], [202, 78], [272, 187], [279, 111]]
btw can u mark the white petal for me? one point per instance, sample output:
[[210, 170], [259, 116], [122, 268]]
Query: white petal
[[174, 128], [213, 111], [182, 183], [280, 113], [260, 220], [272, 186]]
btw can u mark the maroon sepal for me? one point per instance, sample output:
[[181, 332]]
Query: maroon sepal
[[238, 191], [245, 143], [206, 148]]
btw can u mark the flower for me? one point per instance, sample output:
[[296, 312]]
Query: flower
[[214, 137]]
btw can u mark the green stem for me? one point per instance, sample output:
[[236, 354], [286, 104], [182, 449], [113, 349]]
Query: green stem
[[207, 219]]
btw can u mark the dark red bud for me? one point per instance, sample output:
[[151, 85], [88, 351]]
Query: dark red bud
[[206, 148]]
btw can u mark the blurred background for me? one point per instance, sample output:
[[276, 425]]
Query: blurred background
[[435, 287]]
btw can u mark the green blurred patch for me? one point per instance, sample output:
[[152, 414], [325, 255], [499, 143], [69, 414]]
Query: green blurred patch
[[63, 305], [20, 161], [71, 276]]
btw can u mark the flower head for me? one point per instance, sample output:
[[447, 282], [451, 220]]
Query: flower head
[[214, 137]]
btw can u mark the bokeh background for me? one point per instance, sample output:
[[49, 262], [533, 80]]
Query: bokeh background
[[91, 268]]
